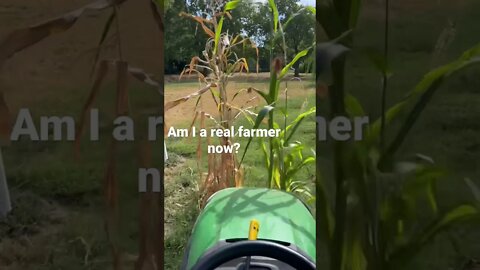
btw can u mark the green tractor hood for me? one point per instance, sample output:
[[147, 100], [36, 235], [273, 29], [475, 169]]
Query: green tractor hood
[[283, 218]]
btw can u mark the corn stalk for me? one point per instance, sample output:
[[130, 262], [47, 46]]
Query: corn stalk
[[221, 62]]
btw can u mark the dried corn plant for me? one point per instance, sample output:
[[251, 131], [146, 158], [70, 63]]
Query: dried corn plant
[[151, 205], [220, 62]]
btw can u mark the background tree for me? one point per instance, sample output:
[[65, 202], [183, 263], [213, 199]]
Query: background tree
[[251, 21], [299, 34], [183, 43]]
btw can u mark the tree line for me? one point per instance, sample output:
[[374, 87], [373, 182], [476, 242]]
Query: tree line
[[185, 38]]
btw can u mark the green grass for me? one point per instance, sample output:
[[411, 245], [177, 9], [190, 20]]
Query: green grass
[[181, 201]]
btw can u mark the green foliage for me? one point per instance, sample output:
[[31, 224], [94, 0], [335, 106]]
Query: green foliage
[[247, 17], [218, 31], [299, 34], [275, 14], [283, 159], [384, 212], [424, 91], [294, 61]]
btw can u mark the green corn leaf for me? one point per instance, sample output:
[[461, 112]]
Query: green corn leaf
[[298, 13], [276, 126], [276, 16], [238, 93], [426, 89], [329, 19], [291, 173], [379, 62], [303, 191], [325, 219], [295, 151], [232, 5], [431, 196], [264, 96], [354, 252], [218, 33], [261, 115], [354, 12], [229, 6], [283, 111], [296, 123], [391, 114], [276, 174], [423, 184], [263, 146], [474, 188], [457, 215], [353, 106], [290, 65], [274, 86], [247, 116]]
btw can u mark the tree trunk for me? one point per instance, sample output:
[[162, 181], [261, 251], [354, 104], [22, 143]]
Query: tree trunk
[[296, 66], [297, 70], [5, 204]]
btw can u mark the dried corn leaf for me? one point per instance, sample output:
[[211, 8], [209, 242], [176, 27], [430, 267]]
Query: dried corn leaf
[[137, 73], [193, 123], [111, 179], [111, 187], [194, 62], [239, 177], [111, 200], [199, 146], [106, 30], [146, 78], [201, 21], [145, 157], [23, 38], [157, 15], [179, 101], [101, 73], [201, 77], [122, 106]]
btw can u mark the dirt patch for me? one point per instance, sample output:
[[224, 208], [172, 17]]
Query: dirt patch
[[28, 231], [181, 208], [178, 192]]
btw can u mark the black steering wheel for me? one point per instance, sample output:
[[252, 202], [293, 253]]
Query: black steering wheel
[[217, 257]]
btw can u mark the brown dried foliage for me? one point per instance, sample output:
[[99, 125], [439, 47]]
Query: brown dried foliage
[[20, 39]]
